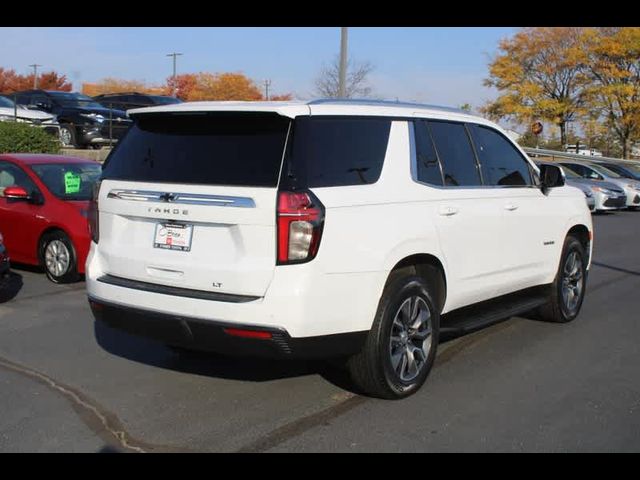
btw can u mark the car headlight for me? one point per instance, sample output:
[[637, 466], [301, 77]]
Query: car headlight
[[606, 191], [96, 117], [588, 194]]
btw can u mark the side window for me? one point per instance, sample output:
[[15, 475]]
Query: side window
[[427, 164], [593, 174], [501, 163], [452, 143], [332, 152], [12, 176], [578, 169]]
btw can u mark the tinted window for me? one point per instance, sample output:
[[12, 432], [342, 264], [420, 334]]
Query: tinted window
[[501, 163], [211, 149], [427, 165], [329, 152], [454, 149], [72, 181]]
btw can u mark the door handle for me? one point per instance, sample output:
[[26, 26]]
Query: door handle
[[448, 211], [511, 207]]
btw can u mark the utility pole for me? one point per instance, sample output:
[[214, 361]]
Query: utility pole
[[35, 75], [174, 55], [267, 84], [342, 79]]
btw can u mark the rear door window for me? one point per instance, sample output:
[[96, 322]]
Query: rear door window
[[456, 154], [502, 164], [238, 149], [336, 151]]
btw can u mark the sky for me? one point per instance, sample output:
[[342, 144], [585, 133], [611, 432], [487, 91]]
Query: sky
[[438, 65]]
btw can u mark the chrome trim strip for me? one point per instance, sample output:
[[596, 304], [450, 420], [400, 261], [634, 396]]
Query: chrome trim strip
[[182, 198]]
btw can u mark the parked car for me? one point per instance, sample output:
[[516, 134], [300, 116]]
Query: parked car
[[83, 121], [10, 112], [574, 180], [44, 203], [604, 195], [348, 229], [129, 100], [595, 171]]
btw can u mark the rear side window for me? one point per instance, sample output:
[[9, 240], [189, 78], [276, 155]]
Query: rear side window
[[208, 148], [336, 151], [456, 154], [501, 163], [427, 165]]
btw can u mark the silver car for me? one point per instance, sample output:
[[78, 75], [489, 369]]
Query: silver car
[[599, 173]]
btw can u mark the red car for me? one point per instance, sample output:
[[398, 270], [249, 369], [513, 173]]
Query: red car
[[44, 203]]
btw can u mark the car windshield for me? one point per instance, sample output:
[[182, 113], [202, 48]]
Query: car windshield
[[623, 170], [6, 103], [69, 181], [74, 100], [605, 171]]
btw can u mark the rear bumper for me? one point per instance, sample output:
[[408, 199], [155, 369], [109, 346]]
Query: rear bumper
[[212, 336]]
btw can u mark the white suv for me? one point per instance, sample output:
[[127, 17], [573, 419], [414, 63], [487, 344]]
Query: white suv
[[346, 229]]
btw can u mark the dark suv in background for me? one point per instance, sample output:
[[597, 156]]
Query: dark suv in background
[[83, 121], [129, 100]]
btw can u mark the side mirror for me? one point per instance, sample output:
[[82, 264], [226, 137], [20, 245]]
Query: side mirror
[[551, 176], [16, 193]]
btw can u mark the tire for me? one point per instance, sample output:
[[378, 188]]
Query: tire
[[67, 136], [58, 257], [569, 286], [382, 368]]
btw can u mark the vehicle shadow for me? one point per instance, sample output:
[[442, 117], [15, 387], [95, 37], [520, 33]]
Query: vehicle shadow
[[10, 286], [149, 352]]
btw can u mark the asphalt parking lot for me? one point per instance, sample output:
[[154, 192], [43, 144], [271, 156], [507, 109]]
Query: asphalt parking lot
[[522, 385]]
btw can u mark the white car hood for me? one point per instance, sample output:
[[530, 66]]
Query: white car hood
[[27, 114]]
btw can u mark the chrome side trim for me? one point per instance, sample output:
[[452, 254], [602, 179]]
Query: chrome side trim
[[182, 198]]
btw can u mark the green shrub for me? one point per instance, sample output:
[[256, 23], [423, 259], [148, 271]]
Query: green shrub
[[24, 138]]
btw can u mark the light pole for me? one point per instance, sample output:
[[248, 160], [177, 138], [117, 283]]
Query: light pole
[[342, 77], [174, 55], [35, 75], [267, 84]]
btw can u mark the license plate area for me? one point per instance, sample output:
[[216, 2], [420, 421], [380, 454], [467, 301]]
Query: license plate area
[[173, 236]]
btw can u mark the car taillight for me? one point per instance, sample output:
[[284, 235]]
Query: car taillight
[[94, 215], [300, 217]]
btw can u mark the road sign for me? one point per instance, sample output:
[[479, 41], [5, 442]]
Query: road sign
[[536, 128]]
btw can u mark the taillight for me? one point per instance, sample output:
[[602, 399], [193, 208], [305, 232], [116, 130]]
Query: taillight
[[94, 214], [300, 217]]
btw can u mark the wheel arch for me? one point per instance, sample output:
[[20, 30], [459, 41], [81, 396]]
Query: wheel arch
[[427, 266], [584, 236], [52, 229]]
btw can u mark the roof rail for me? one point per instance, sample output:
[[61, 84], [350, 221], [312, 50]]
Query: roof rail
[[386, 103]]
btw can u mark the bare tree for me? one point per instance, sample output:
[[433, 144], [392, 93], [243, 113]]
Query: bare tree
[[327, 82]]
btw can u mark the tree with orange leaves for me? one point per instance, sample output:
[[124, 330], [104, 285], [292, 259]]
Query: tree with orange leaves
[[10, 81], [217, 86]]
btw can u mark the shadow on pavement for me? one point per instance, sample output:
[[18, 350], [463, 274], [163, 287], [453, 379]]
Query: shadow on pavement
[[617, 269], [10, 286], [149, 352]]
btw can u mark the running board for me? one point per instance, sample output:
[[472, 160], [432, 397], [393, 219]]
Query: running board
[[476, 317]]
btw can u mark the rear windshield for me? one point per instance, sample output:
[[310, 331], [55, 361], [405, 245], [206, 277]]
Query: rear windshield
[[235, 149]]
